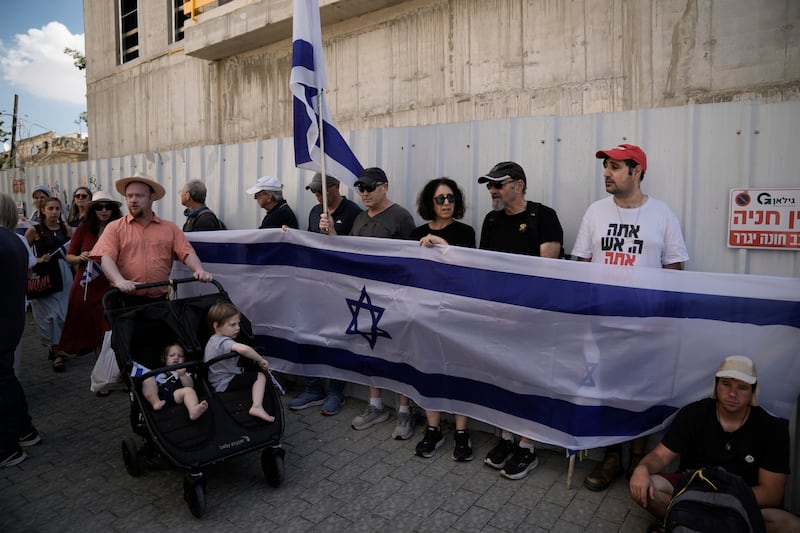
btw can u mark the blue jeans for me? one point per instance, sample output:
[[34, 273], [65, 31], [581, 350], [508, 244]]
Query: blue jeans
[[14, 418], [335, 387]]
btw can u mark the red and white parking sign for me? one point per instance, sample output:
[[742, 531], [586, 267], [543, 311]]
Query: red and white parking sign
[[764, 218]]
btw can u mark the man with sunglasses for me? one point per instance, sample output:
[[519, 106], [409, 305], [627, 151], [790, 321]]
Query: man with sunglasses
[[518, 226], [382, 218], [267, 192], [343, 211], [627, 228]]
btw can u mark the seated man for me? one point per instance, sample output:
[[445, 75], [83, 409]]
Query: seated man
[[727, 430]]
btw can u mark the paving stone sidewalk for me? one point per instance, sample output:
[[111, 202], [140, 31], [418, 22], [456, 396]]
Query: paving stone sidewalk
[[337, 479]]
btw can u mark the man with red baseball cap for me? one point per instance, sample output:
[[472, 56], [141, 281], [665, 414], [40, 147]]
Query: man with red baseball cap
[[628, 229]]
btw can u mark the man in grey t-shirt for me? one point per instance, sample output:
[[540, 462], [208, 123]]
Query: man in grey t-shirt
[[382, 218]]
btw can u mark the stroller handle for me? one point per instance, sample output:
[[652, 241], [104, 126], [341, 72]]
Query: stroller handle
[[169, 282]]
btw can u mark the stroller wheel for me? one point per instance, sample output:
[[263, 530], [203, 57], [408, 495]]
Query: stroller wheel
[[272, 465], [194, 492], [130, 456]]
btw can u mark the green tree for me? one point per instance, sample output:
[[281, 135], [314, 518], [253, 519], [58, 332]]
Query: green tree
[[78, 59]]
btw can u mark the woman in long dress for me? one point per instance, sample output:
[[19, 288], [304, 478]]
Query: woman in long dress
[[46, 239], [85, 324]]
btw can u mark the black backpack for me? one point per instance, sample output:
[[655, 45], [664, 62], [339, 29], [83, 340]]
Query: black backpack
[[204, 213], [713, 500]]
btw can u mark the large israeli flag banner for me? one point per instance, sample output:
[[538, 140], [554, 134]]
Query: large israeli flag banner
[[307, 79], [569, 353]]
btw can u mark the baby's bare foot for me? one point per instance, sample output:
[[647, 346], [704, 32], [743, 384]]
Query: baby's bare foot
[[159, 405], [259, 412], [198, 410]]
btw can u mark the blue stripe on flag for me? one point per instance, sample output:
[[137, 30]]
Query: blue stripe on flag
[[301, 122], [303, 54], [566, 296], [573, 419], [338, 149]]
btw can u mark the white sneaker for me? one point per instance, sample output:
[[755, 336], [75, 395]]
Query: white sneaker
[[371, 416], [404, 429]]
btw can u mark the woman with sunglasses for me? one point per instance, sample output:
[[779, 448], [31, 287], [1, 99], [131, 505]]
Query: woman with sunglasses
[[85, 325], [441, 202], [81, 199]]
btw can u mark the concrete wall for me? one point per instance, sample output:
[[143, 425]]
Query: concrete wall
[[419, 62], [696, 154]]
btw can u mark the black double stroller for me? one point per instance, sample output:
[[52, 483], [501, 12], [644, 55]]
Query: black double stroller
[[139, 333]]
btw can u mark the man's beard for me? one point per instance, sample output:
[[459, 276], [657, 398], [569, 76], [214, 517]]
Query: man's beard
[[498, 205]]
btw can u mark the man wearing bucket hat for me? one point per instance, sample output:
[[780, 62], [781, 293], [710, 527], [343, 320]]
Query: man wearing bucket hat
[[268, 193], [139, 247], [728, 430], [630, 229]]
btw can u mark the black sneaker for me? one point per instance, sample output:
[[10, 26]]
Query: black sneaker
[[431, 442], [498, 455], [522, 461], [14, 459], [462, 451], [30, 438]]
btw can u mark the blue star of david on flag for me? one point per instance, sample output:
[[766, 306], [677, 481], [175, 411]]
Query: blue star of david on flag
[[365, 302], [588, 380]]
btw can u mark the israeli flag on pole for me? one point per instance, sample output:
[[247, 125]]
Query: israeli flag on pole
[[62, 250], [92, 271], [138, 370], [307, 80]]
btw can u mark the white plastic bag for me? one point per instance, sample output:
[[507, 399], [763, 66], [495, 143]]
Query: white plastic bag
[[105, 371]]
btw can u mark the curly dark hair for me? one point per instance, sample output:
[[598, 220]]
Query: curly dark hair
[[425, 199]]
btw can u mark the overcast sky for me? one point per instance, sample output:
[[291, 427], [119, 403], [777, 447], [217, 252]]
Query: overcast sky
[[52, 92]]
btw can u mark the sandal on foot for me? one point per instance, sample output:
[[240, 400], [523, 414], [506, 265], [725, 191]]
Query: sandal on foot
[[604, 473], [58, 363]]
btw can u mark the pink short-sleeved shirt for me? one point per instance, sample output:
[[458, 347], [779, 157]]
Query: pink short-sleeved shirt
[[143, 254]]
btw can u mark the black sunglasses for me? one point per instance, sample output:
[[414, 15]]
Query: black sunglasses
[[103, 207], [440, 200], [81, 196], [368, 188], [498, 184]]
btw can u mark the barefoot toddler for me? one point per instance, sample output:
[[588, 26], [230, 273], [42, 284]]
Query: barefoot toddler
[[175, 386], [223, 320]]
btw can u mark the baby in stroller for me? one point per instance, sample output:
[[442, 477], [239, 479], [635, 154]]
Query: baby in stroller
[[175, 386], [223, 320]]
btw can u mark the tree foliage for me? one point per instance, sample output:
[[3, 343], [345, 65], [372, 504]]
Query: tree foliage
[[78, 59]]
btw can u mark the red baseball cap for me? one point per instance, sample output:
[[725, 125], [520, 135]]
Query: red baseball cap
[[623, 152]]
